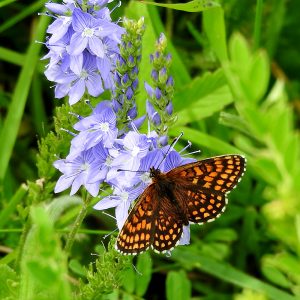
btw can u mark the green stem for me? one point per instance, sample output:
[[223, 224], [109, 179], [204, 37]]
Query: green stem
[[6, 213], [257, 23], [77, 224], [19, 254], [170, 22]]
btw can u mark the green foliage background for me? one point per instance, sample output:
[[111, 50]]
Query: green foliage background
[[237, 87]]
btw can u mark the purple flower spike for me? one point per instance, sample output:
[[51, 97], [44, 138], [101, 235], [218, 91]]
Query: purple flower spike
[[170, 81], [154, 75], [158, 93], [129, 93], [152, 113], [149, 89], [132, 113], [169, 108]]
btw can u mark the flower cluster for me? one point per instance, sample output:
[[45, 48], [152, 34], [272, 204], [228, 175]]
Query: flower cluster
[[159, 105], [104, 150], [83, 48], [126, 76], [98, 156]]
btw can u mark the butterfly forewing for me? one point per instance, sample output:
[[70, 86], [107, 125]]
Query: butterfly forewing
[[217, 174]]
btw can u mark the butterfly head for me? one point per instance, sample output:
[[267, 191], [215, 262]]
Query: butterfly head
[[154, 172]]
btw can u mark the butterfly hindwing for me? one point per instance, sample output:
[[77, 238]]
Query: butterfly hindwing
[[168, 226], [136, 235], [204, 207]]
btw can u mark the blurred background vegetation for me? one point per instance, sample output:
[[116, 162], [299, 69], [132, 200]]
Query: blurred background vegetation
[[237, 83]]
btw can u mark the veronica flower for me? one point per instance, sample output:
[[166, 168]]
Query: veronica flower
[[77, 172], [174, 160], [83, 47], [99, 127], [99, 172], [135, 147], [83, 75], [59, 28], [89, 33], [121, 199]]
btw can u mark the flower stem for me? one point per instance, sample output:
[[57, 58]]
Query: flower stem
[[77, 224], [25, 231]]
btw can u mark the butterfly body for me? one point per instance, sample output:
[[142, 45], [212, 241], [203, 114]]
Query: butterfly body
[[191, 193]]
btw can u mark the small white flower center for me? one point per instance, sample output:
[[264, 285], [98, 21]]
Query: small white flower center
[[145, 177], [105, 49], [135, 151], [66, 20], [84, 167], [83, 74], [108, 161], [88, 32], [104, 126], [124, 196]]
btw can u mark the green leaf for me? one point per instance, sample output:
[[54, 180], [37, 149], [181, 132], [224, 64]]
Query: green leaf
[[9, 130], [192, 6], [77, 268], [144, 267], [198, 88], [222, 235], [201, 139], [228, 273], [43, 265], [5, 213], [239, 54], [206, 106], [275, 276], [248, 294], [8, 283], [129, 280], [60, 204], [178, 67], [6, 2], [214, 26], [233, 121], [35, 7], [259, 74], [178, 286]]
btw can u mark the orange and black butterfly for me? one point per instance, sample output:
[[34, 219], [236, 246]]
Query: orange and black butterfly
[[195, 192]]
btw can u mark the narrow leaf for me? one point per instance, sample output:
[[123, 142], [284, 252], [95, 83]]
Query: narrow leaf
[[192, 6]]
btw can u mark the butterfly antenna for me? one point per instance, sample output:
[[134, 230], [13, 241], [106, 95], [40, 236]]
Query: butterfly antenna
[[135, 171], [107, 214], [189, 144], [190, 153], [170, 148], [105, 236]]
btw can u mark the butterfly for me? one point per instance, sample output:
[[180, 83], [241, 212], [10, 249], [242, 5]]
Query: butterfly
[[191, 193]]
